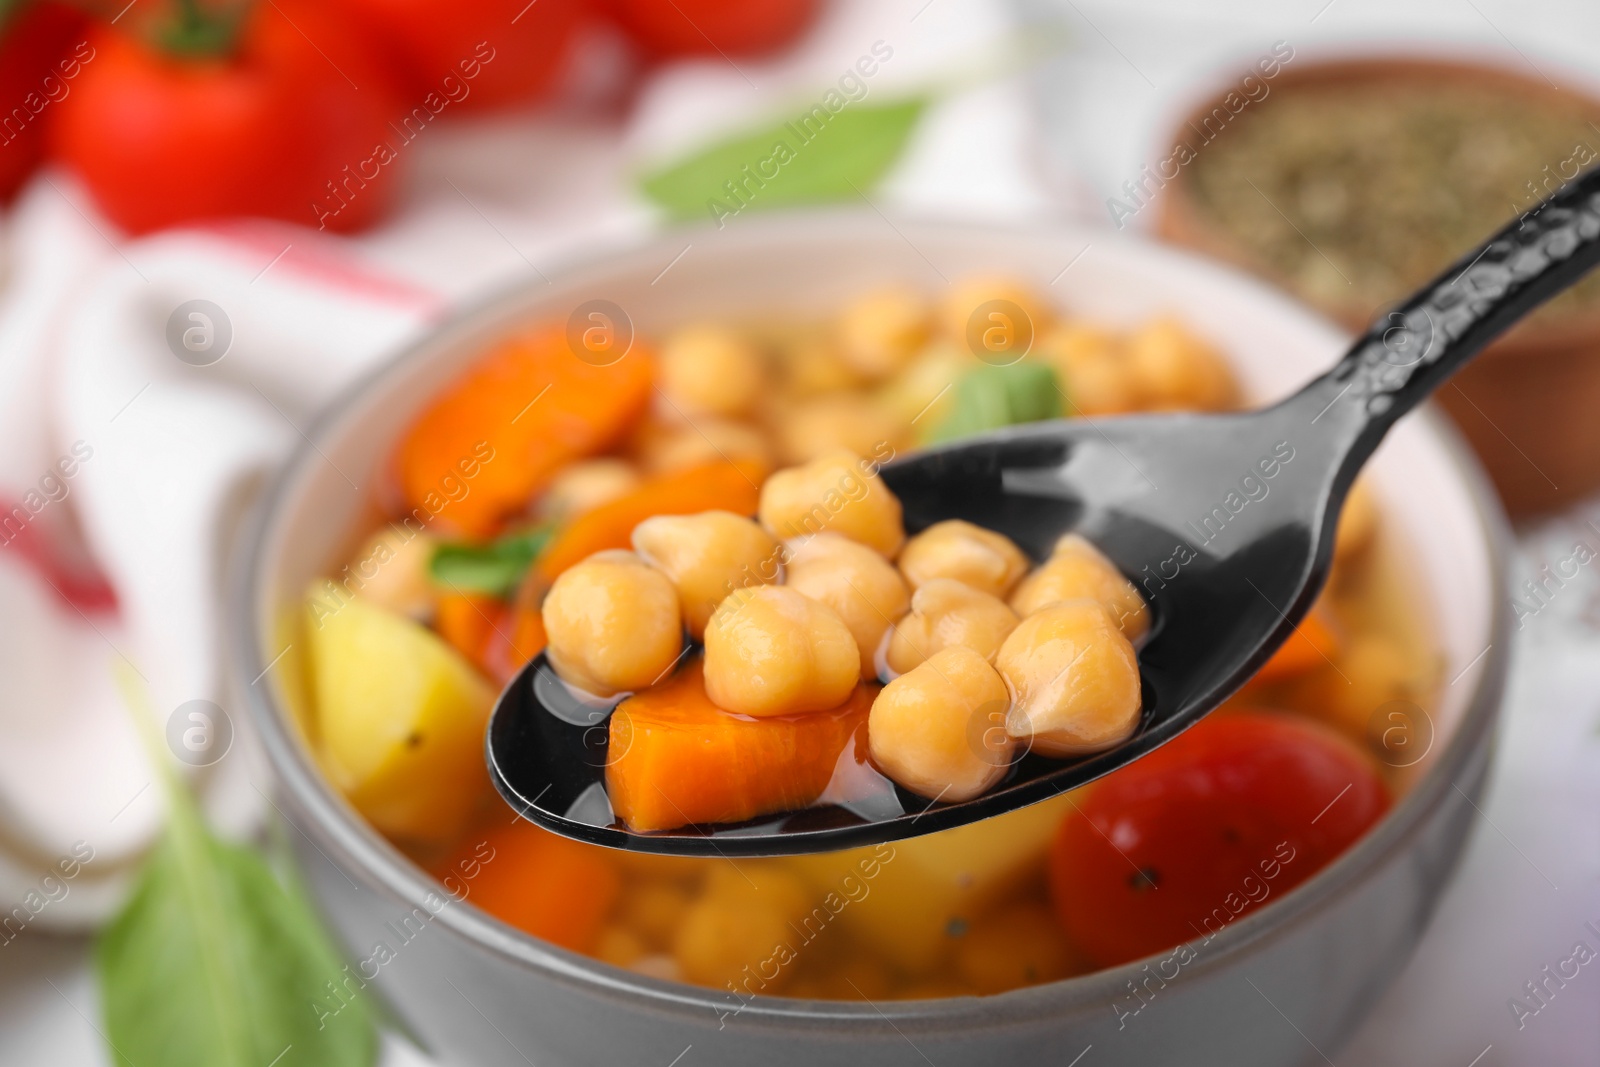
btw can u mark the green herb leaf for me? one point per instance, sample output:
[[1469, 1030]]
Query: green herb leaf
[[816, 156], [495, 568], [988, 397], [214, 962]]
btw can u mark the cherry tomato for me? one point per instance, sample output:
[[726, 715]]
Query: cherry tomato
[[42, 49], [493, 52], [291, 119], [1236, 811], [712, 27]]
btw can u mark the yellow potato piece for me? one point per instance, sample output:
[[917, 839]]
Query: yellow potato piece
[[401, 717], [907, 900]]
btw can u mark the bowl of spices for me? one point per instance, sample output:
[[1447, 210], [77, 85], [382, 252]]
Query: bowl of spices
[[1357, 180]]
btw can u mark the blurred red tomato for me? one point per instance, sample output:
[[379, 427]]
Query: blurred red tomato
[[702, 27], [37, 67], [1236, 811], [497, 52], [290, 121]]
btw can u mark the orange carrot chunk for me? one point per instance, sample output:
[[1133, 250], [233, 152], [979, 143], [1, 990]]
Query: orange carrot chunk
[[518, 636], [465, 620], [722, 486], [677, 759], [502, 431], [1312, 644], [546, 885]]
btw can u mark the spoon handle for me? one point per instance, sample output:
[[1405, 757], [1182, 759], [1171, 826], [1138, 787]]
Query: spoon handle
[[1408, 353]]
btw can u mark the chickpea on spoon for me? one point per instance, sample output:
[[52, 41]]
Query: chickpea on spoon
[[1050, 618]]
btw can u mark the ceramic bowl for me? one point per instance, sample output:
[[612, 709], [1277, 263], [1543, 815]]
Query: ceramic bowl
[[1298, 972]]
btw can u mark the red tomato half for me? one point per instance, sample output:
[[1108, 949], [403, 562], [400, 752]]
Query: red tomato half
[[494, 52], [710, 27], [267, 129], [38, 63], [1235, 812]]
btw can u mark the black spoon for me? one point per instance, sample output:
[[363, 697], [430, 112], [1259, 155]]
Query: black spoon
[[1225, 522]]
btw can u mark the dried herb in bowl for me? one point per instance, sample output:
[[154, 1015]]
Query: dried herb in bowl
[[1352, 194]]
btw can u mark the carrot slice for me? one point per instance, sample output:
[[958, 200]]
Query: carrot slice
[[676, 758], [726, 486], [465, 620], [546, 885], [517, 637], [1312, 644], [498, 436]]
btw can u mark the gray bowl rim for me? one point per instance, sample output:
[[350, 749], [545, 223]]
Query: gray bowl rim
[[359, 848]]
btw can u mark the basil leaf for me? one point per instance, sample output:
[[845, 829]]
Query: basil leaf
[[495, 568], [988, 397], [815, 157], [214, 962], [211, 964]]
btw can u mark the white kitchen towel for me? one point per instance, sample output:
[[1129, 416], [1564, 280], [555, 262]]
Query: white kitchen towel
[[148, 386]]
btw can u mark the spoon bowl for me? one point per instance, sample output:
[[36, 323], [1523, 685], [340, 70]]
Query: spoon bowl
[[1224, 522]]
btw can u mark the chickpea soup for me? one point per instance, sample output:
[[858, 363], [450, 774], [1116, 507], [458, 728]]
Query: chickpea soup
[[695, 533]]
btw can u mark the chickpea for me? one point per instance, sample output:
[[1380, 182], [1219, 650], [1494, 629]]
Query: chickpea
[[881, 331], [840, 493], [1372, 670], [969, 294], [773, 651], [944, 613], [391, 570], [1357, 523], [1078, 569], [708, 441], [736, 924], [860, 586], [585, 485], [707, 556], [987, 561], [1073, 678], [619, 947], [711, 370], [1176, 370], [1099, 379], [847, 421], [1013, 947], [813, 365], [939, 731], [919, 395], [652, 911], [612, 623]]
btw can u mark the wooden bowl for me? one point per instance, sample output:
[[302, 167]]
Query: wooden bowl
[[1528, 403]]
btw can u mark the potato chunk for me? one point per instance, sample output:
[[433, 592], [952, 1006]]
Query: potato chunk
[[400, 716], [1073, 677]]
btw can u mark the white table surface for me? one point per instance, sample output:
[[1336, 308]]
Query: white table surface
[[1531, 877]]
